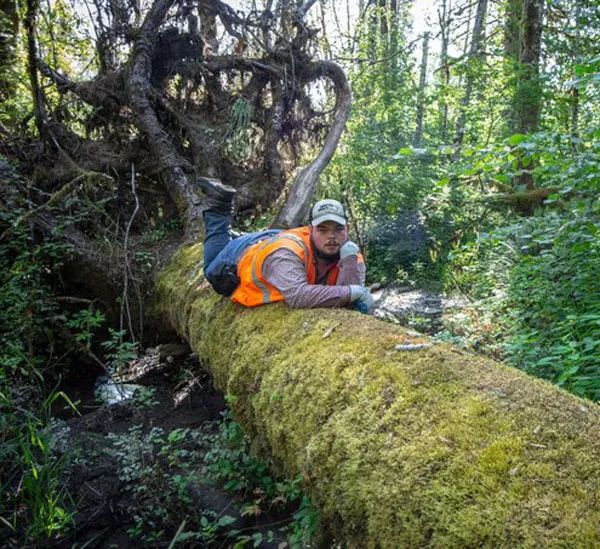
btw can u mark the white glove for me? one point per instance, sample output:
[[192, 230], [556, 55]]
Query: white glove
[[349, 248], [360, 293]]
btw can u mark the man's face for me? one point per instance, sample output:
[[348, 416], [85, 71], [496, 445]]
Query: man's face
[[328, 237]]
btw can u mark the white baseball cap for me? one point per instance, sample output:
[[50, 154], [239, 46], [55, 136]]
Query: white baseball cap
[[328, 210]]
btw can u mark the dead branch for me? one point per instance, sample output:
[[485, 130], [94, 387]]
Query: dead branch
[[296, 208]]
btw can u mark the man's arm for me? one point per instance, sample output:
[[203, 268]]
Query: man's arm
[[351, 271], [284, 270]]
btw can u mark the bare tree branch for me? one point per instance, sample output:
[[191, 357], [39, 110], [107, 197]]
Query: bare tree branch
[[297, 205]]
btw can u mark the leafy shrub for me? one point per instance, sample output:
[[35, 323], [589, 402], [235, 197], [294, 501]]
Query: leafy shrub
[[554, 299], [536, 279], [537, 298]]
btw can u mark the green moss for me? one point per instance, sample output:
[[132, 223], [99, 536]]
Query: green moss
[[398, 449]]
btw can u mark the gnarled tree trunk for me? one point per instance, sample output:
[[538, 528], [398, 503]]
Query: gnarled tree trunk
[[240, 110]]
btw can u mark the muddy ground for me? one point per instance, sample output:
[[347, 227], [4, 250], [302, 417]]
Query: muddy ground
[[136, 471]]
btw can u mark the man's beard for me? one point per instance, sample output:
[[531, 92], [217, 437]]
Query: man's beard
[[329, 258]]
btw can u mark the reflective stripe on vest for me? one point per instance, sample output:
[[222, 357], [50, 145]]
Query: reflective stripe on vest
[[259, 284]]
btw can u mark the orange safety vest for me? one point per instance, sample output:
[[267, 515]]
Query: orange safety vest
[[253, 289]]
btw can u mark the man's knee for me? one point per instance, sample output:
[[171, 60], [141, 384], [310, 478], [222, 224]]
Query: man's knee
[[222, 277]]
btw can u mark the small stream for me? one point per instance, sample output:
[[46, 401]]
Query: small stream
[[418, 309]]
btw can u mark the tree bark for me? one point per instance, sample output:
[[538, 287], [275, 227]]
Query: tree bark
[[37, 94], [523, 40], [529, 103], [421, 95], [474, 55], [575, 89], [434, 447]]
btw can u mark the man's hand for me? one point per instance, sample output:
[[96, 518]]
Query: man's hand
[[360, 296], [349, 248]]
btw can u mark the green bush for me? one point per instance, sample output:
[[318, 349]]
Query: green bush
[[536, 278], [33, 352], [554, 299]]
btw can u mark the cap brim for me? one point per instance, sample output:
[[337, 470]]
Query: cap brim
[[329, 217]]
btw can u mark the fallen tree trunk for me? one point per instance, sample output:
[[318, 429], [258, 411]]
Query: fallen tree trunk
[[435, 447]]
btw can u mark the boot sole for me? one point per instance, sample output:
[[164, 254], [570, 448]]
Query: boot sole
[[214, 188]]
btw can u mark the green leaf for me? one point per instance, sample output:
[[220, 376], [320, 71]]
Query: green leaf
[[226, 520], [516, 138]]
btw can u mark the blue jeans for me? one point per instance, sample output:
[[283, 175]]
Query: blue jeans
[[217, 234], [222, 253]]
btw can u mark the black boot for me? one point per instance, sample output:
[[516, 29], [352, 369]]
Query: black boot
[[218, 197]]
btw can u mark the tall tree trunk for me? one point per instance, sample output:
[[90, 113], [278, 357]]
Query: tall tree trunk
[[38, 97], [421, 95], [529, 97], [390, 42], [575, 114], [444, 22], [383, 18], [575, 88], [473, 57], [9, 23], [512, 38], [466, 42], [523, 40]]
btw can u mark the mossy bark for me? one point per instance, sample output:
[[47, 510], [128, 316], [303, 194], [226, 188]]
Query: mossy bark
[[436, 447]]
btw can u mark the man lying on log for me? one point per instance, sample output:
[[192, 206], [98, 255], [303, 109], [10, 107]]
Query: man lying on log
[[308, 267]]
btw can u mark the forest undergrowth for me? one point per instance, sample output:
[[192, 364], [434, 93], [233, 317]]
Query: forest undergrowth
[[532, 283], [76, 470]]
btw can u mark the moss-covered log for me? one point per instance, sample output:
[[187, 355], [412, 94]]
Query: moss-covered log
[[435, 447]]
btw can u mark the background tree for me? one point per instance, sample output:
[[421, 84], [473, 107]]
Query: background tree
[[473, 57], [422, 84], [9, 23]]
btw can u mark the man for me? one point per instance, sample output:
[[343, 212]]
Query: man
[[307, 267]]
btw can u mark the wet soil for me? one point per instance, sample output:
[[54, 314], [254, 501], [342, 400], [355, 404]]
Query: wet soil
[[179, 395]]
